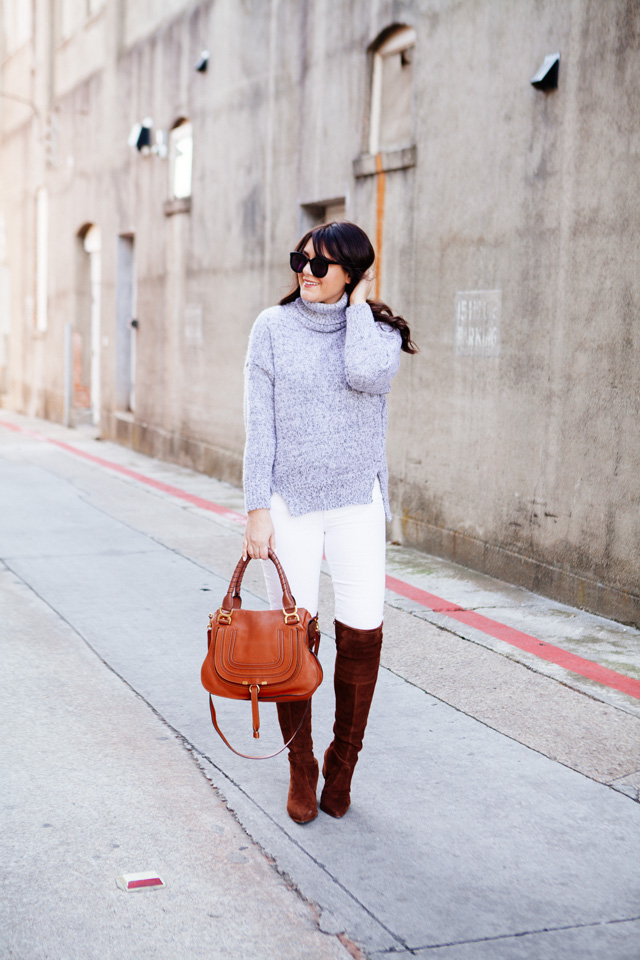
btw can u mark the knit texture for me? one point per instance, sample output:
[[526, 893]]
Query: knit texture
[[316, 379]]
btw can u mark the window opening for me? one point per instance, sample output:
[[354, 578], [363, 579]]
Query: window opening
[[323, 211], [181, 160], [391, 116]]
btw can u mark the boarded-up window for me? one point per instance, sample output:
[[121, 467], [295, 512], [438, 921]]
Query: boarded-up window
[[391, 119], [180, 160]]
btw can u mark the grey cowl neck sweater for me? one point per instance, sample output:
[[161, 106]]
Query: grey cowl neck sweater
[[324, 317], [316, 379]]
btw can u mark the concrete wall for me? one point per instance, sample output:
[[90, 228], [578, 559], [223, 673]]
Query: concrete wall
[[529, 460], [517, 453]]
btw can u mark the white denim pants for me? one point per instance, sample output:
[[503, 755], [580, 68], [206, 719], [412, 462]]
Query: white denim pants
[[353, 541]]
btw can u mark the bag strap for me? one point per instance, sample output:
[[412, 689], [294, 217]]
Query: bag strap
[[233, 600], [249, 756]]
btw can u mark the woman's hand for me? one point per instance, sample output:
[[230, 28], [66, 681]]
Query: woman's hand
[[361, 292], [259, 535]]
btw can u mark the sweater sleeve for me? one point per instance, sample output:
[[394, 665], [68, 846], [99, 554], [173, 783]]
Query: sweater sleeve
[[259, 418], [372, 351]]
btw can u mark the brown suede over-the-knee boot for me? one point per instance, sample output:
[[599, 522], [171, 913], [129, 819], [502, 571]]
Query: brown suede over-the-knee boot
[[302, 803], [357, 664]]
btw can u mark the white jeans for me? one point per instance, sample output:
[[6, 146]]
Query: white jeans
[[353, 540]]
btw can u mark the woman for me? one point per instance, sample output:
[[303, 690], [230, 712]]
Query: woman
[[318, 369]]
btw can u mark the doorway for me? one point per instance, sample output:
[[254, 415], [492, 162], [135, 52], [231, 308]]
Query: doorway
[[126, 325], [86, 339]]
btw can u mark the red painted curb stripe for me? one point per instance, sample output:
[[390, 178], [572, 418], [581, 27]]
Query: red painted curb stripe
[[155, 882], [523, 641], [499, 631], [12, 426], [156, 484], [437, 604], [140, 477]]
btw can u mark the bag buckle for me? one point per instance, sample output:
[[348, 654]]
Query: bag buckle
[[291, 617], [224, 616]]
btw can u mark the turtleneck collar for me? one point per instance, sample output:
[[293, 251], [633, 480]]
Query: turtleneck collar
[[325, 317]]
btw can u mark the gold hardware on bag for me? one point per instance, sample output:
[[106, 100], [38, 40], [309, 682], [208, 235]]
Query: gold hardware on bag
[[291, 617], [224, 616]]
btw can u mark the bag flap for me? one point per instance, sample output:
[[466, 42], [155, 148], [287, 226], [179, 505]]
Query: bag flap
[[257, 647]]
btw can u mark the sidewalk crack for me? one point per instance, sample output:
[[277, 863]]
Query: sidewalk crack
[[321, 866], [522, 933], [624, 776]]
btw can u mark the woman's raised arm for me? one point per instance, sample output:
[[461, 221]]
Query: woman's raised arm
[[371, 352]]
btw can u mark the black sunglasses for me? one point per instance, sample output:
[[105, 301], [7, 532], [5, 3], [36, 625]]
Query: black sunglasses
[[319, 265]]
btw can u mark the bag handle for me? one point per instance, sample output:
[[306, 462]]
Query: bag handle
[[249, 756], [233, 600]]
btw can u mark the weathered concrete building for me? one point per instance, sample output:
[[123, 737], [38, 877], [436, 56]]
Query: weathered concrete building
[[133, 259]]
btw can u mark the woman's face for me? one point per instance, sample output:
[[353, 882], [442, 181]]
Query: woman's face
[[327, 289]]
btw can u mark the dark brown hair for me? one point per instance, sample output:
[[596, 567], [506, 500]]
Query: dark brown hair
[[348, 244]]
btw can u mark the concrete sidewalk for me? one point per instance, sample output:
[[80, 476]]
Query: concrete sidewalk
[[466, 837], [95, 785]]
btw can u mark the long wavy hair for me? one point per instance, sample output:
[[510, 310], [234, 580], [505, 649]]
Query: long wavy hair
[[349, 245]]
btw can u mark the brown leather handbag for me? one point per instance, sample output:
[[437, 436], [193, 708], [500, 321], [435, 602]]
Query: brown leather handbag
[[261, 655]]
